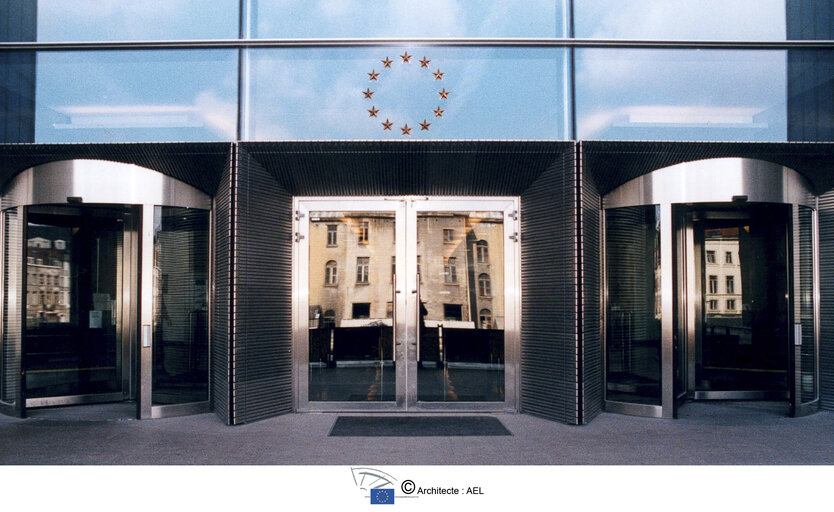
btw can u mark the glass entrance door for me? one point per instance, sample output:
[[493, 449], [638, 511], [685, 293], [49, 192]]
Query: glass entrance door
[[402, 303], [743, 332], [75, 345]]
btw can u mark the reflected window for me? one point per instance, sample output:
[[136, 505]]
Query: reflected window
[[485, 318], [362, 269], [728, 257], [331, 277], [332, 235], [394, 267], [484, 285], [389, 309], [452, 312], [710, 256], [329, 318], [448, 235], [361, 310], [712, 304], [362, 232], [713, 284], [731, 305], [731, 285], [419, 270], [482, 251], [450, 270]]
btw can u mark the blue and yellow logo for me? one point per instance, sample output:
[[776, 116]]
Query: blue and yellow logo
[[382, 496]]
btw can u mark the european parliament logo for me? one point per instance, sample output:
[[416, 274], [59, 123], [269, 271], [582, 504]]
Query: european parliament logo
[[382, 496]]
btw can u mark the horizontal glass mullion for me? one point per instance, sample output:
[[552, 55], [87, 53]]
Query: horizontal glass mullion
[[459, 93]]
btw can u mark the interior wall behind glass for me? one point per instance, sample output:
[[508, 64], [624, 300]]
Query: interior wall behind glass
[[736, 20], [136, 20], [406, 18], [136, 96], [702, 95], [459, 93]]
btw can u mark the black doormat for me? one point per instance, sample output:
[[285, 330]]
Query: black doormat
[[417, 426]]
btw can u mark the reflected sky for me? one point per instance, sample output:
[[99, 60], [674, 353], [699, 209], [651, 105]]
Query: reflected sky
[[493, 94], [681, 95], [131, 96], [120, 20], [733, 20], [406, 18]]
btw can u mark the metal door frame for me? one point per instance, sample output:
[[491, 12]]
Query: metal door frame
[[718, 180], [405, 209], [98, 183]]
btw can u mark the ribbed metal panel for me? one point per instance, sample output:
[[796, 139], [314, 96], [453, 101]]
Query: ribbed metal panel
[[199, 164], [404, 168], [826, 350], [221, 299], [612, 163], [262, 360], [590, 204], [550, 294]]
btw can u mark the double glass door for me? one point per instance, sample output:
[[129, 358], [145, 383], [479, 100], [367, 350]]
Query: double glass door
[[406, 303]]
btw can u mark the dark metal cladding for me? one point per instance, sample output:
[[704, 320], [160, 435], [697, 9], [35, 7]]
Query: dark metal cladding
[[550, 294], [222, 296], [199, 164], [611, 163], [826, 258], [262, 350], [590, 205]]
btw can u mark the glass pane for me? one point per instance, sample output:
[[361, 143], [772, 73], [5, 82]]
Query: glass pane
[[706, 95], [745, 332], [11, 342], [180, 308], [633, 315], [133, 96], [73, 306], [398, 18], [737, 20], [118, 20], [461, 306], [440, 93], [808, 353], [350, 329]]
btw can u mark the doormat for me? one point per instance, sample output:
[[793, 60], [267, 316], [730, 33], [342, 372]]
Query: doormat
[[417, 426]]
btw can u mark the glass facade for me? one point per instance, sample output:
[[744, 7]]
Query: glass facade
[[291, 70], [397, 18]]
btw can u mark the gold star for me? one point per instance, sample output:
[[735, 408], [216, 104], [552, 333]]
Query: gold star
[[444, 94], [373, 111], [373, 74], [406, 57], [387, 125], [387, 62], [424, 125], [424, 63], [438, 112], [438, 75], [406, 130], [368, 93]]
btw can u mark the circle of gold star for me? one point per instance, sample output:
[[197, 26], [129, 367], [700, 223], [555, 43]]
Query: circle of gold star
[[375, 76]]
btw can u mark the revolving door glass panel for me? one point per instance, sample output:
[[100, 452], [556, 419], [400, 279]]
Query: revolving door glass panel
[[460, 258], [634, 307], [352, 273], [745, 322], [180, 308], [73, 302]]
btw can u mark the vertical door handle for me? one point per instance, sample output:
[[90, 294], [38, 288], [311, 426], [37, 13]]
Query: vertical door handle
[[419, 316]]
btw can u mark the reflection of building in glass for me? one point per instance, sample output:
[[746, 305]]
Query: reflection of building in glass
[[722, 273], [353, 262], [47, 281]]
